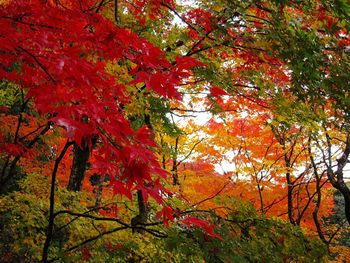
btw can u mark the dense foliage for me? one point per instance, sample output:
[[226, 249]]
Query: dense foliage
[[144, 131], [244, 236]]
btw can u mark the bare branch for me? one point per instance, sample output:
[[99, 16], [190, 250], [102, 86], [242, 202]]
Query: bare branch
[[213, 196]]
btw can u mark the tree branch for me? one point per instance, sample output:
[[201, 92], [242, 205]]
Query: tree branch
[[38, 62], [52, 202], [213, 196]]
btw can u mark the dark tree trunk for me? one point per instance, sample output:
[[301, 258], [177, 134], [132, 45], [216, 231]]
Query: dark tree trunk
[[116, 16], [345, 191], [337, 177], [317, 206], [141, 218], [290, 204], [175, 164], [290, 188], [50, 227], [79, 165]]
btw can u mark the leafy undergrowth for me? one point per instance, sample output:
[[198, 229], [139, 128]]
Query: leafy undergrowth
[[241, 235]]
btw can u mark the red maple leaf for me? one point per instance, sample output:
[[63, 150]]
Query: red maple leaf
[[200, 223]]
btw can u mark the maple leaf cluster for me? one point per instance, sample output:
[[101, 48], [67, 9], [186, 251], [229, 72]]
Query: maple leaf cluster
[[58, 53]]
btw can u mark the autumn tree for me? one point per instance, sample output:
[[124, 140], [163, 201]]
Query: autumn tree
[[107, 90]]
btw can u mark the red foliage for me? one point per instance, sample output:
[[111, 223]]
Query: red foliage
[[86, 253], [13, 149], [167, 213], [206, 226], [59, 53]]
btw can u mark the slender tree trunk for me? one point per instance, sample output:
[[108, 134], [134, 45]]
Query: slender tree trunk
[[116, 16], [280, 136], [50, 226], [290, 188], [79, 165], [163, 155], [262, 210], [141, 203], [345, 191], [337, 180], [175, 164], [318, 198], [316, 209], [337, 177], [141, 218]]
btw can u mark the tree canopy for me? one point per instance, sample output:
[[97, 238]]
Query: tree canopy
[[143, 131]]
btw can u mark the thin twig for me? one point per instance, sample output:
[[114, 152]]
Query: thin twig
[[38, 62], [213, 196]]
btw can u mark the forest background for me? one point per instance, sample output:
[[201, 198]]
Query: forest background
[[102, 156]]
